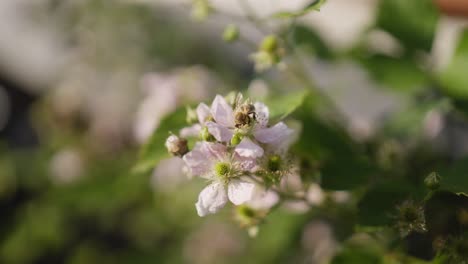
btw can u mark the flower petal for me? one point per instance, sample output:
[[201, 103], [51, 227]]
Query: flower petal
[[245, 164], [221, 133], [192, 131], [203, 113], [240, 192], [263, 199], [222, 112], [273, 135], [211, 199], [200, 160], [248, 149], [262, 114]]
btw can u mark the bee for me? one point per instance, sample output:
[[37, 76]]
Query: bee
[[244, 114]]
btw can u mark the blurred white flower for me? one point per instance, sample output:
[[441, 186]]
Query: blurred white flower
[[433, 123], [66, 167], [318, 242], [164, 92], [168, 175], [212, 243], [258, 89]]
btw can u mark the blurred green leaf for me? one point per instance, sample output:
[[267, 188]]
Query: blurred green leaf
[[379, 203], [343, 164], [397, 74], [313, 6], [281, 106], [359, 250], [454, 178], [306, 38], [412, 22], [154, 150], [454, 78]]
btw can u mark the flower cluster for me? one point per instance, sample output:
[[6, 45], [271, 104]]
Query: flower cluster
[[239, 153]]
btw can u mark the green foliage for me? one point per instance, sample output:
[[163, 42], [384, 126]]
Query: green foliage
[[344, 165], [307, 39], [397, 74], [454, 79], [283, 105], [154, 150], [414, 31], [454, 177], [378, 205]]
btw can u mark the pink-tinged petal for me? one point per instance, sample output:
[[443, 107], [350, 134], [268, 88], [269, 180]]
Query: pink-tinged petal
[[221, 133], [273, 135], [240, 192], [248, 149], [200, 160], [263, 199], [211, 199], [222, 112], [197, 162], [214, 151], [245, 164], [203, 113], [262, 114], [192, 131]]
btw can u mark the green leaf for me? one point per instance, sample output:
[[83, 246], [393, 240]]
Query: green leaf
[[454, 78], [412, 22], [379, 203], [343, 164], [397, 74], [154, 150], [313, 6], [455, 177], [310, 41], [283, 105]]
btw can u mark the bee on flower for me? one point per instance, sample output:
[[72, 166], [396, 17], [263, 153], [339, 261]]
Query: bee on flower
[[235, 144]]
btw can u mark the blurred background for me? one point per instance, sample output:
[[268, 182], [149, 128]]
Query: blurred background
[[84, 83]]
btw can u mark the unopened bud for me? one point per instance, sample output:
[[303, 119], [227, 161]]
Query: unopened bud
[[236, 139], [246, 215], [192, 117], [432, 181], [176, 146], [231, 33], [274, 163], [201, 9], [205, 134], [269, 44]]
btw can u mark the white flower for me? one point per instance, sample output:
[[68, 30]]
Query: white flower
[[225, 170]]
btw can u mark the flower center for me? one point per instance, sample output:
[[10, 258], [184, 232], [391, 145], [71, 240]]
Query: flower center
[[274, 163], [222, 169]]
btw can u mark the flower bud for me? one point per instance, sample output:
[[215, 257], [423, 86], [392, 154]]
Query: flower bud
[[231, 33], [269, 44], [205, 134], [246, 216], [201, 9], [236, 139], [176, 146], [192, 117], [432, 181], [274, 163]]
